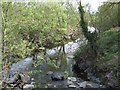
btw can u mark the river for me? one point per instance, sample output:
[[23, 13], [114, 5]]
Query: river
[[70, 48], [45, 76]]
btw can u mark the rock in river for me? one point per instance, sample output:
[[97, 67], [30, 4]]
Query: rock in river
[[72, 79], [57, 76], [49, 73], [72, 86], [88, 84]]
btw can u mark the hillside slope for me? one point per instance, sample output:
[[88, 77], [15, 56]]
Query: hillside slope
[[108, 52]]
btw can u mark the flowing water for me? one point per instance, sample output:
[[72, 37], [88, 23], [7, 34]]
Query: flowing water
[[41, 78], [70, 48]]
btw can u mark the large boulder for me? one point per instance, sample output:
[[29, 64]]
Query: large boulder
[[21, 66]]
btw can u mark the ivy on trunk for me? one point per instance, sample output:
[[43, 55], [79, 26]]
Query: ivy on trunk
[[91, 37]]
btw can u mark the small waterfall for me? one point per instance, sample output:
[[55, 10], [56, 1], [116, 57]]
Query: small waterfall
[[70, 48]]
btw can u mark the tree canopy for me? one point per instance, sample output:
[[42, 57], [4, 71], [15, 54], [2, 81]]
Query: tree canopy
[[29, 26], [107, 16]]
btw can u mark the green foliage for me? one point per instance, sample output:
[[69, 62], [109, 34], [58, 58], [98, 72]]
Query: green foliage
[[29, 26], [108, 46], [79, 51], [66, 74], [108, 50], [51, 63], [91, 37], [56, 56], [53, 59], [108, 43], [36, 65], [107, 16]]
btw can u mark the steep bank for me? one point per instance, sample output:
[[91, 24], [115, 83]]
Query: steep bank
[[107, 64]]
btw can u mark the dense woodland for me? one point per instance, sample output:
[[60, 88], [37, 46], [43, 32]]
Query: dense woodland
[[29, 29]]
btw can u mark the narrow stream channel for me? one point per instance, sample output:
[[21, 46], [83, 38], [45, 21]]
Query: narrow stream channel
[[43, 78], [70, 48]]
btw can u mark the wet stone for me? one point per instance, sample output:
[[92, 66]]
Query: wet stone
[[49, 85], [29, 86], [69, 82], [72, 79], [72, 86], [57, 77], [49, 73], [92, 85], [83, 84]]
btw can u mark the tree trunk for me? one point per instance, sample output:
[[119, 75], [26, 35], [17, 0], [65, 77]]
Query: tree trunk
[[91, 37]]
